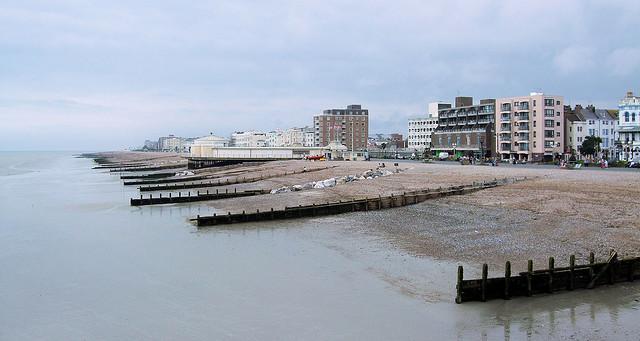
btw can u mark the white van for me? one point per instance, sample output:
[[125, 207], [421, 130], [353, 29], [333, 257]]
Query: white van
[[443, 156]]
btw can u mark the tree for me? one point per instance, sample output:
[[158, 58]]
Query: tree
[[590, 145]]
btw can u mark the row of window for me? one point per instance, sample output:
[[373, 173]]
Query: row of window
[[626, 116]]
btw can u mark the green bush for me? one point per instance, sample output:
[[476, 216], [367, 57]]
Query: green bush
[[619, 163]]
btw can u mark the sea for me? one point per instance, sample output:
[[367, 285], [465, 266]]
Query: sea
[[77, 262]]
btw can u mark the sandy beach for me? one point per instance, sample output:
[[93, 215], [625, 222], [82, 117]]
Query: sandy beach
[[555, 212]]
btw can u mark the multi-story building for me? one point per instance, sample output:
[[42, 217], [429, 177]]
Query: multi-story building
[[275, 138], [530, 128], [170, 143], [582, 122], [628, 145], [421, 128], [348, 126], [309, 139], [466, 129], [248, 139]]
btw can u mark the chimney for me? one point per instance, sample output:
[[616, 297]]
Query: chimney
[[629, 94]]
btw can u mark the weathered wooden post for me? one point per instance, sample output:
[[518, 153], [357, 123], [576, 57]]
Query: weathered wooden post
[[529, 277], [483, 284], [169, 195], [592, 260], [207, 192], [551, 266], [160, 195], [459, 285], [179, 194], [198, 193], [140, 196], [226, 191], [189, 193], [271, 213], [612, 267], [234, 190], [572, 275], [507, 279]]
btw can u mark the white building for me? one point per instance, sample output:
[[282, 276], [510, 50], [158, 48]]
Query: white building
[[211, 141], [421, 128], [275, 138], [171, 143], [248, 139], [629, 128], [309, 138], [589, 121]]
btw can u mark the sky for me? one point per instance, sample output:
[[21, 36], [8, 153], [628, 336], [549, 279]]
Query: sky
[[106, 75]]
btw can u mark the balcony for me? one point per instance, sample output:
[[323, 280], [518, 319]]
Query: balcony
[[505, 118], [523, 127], [472, 122], [505, 138], [505, 146], [483, 121], [522, 117]]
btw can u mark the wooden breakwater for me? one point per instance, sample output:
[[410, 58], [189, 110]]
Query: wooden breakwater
[[148, 168], [198, 196], [120, 165], [356, 205], [148, 176], [549, 280], [226, 182]]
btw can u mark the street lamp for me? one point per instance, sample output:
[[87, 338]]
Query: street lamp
[[454, 149]]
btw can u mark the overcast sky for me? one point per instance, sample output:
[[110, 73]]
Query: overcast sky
[[108, 75]]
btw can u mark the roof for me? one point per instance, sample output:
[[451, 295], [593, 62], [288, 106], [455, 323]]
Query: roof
[[585, 114], [571, 117]]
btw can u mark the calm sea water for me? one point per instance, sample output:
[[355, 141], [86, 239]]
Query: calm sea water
[[77, 263]]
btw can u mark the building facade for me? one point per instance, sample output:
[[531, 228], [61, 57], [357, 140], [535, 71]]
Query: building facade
[[530, 128], [628, 145], [248, 139], [583, 122], [171, 143], [349, 127], [420, 130], [466, 129]]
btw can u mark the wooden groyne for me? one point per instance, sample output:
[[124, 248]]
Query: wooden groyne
[[356, 205], [148, 176], [120, 165], [549, 280], [149, 168], [198, 196], [226, 182]]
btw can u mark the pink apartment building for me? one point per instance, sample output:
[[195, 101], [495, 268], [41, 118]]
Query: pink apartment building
[[530, 128]]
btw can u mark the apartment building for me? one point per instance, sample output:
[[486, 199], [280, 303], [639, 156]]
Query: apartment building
[[248, 139], [349, 127], [466, 129], [582, 122], [530, 128], [421, 127], [628, 147]]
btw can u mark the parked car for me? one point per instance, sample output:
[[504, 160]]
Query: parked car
[[443, 156]]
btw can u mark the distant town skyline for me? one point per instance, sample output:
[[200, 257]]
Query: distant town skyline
[[78, 76]]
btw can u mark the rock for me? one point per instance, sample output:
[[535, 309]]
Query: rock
[[280, 190], [297, 188], [319, 184], [308, 185], [329, 182], [369, 178]]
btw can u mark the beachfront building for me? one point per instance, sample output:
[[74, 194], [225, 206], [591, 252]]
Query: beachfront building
[[530, 128], [583, 122], [421, 127], [349, 127], [628, 145], [248, 139], [171, 143], [466, 129], [309, 139]]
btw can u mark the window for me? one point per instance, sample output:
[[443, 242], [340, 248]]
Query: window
[[557, 134], [626, 116], [557, 102], [548, 102], [548, 112], [548, 133], [549, 144], [633, 117], [534, 102], [557, 113], [548, 123]]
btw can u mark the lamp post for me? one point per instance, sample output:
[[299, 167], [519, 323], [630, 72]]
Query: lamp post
[[454, 149]]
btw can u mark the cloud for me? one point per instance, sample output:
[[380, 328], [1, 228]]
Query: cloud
[[98, 70], [624, 61], [574, 59]]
